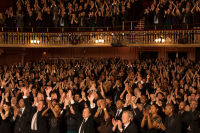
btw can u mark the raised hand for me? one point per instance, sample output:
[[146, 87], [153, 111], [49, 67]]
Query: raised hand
[[119, 124], [48, 90], [91, 97], [128, 98], [144, 112], [114, 122]]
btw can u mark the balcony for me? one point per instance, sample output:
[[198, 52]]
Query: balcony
[[127, 37]]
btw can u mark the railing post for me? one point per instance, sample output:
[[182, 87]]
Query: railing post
[[140, 25], [122, 25], [107, 28], [17, 29], [78, 29], [155, 27], [2, 28], [187, 26], [32, 29], [171, 26], [131, 25], [47, 29]]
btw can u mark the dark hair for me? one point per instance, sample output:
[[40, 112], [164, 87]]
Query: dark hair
[[8, 104], [155, 105], [110, 98]]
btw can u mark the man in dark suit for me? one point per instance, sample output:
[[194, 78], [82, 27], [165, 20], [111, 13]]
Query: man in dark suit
[[186, 18], [38, 122], [85, 121], [157, 19], [126, 126], [185, 117], [30, 21], [63, 23], [172, 123], [118, 111], [82, 22], [22, 118], [195, 117]]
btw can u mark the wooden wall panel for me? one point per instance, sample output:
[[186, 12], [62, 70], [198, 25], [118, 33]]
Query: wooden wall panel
[[78, 52], [109, 52], [65, 52], [53, 53], [33, 54], [124, 52], [93, 53]]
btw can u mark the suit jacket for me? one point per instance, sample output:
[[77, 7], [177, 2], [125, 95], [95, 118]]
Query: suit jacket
[[65, 21], [55, 12], [30, 22], [84, 21], [186, 16], [131, 128], [160, 18], [41, 121], [23, 123], [89, 127], [20, 20], [194, 122], [175, 124], [186, 120]]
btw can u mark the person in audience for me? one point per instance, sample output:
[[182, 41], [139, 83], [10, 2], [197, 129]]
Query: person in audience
[[126, 125], [172, 122], [6, 115], [82, 92], [150, 120]]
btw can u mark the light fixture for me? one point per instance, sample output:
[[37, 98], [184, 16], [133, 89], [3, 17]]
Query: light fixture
[[35, 41], [99, 41], [160, 40]]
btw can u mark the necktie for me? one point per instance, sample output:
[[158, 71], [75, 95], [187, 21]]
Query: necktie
[[20, 118], [54, 16], [62, 20], [168, 122], [34, 122], [116, 97], [117, 114], [83, 126], [21, 111], [81, 21]]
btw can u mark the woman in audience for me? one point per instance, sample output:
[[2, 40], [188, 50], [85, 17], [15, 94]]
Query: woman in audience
[[106, 120], [70, 117], [6, 115], [196, 13], [177, 18], [151, 120], [54, 117], [168, 18]]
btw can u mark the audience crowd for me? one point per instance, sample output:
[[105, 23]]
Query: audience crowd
[[71, 13], [104, 95], [178, 13], [99, 14]]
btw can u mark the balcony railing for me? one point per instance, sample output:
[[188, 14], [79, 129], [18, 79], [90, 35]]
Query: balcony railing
[[13, 37]]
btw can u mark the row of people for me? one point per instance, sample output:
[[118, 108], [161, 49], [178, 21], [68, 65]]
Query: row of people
[[104, 95]]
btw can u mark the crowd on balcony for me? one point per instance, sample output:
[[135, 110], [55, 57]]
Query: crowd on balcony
[[84, 14], [100, 96], [169, 14]]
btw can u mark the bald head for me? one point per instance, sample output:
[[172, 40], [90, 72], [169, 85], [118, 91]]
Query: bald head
[[169, 109]]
